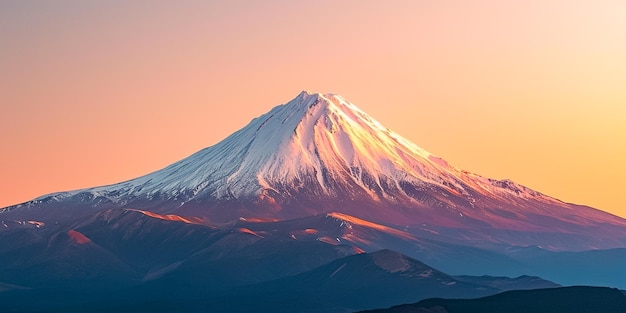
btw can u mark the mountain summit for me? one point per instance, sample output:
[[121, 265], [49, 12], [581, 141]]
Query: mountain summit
[[319, 153]]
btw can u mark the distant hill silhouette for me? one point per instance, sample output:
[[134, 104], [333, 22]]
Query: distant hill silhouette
[[554, 300]]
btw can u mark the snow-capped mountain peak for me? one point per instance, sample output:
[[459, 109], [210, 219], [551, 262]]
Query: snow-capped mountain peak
[[319, 153], [315, 135], [317, 143]]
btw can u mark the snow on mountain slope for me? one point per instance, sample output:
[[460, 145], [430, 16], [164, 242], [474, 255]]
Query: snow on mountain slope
[[320, 136], [319, 153], [313, 134]]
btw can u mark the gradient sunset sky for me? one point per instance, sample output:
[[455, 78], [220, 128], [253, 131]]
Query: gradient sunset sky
[[97, 92]]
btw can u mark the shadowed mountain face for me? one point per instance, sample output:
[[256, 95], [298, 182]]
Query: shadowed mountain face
[[556, 300], [142, 247], [355, 282], [311, 192], [350, 283], [117, 248]]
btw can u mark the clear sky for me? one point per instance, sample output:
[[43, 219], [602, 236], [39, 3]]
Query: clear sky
[[96, 92]]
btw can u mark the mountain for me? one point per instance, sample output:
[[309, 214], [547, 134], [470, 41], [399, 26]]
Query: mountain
[[354, 282], [555, 300], [506, 283], [360, 281], [319, 154], [349, 283], [305, 202], [113, 249]]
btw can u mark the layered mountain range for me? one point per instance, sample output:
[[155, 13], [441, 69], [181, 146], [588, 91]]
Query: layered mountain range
[[311, 191]]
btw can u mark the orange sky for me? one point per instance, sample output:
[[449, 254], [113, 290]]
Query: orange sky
[[96, 92]]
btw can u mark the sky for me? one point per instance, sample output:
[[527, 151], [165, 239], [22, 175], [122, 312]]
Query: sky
[[97, 92]]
